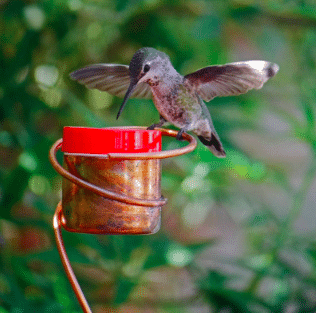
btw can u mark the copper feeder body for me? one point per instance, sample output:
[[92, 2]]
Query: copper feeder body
[[87, 212]]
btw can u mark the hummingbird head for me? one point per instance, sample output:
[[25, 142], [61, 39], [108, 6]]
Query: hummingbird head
[[148, 65]]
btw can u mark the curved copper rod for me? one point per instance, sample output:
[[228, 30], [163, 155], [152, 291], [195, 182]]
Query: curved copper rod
[[142, 156], [98, 190], [66, 263]]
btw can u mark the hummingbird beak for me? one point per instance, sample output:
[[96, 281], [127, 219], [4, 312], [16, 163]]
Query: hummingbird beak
[[129, 92]]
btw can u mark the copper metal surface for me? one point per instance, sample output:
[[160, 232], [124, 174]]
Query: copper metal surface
[[86, 211]]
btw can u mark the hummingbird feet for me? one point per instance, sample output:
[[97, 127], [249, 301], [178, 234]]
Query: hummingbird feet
[[161, 122], [152, 127], [179, 135]]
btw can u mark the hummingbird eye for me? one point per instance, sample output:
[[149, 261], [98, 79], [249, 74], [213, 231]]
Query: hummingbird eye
[[146, 68]]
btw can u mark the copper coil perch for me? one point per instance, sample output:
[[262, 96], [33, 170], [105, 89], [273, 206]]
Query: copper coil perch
[[114, 193]]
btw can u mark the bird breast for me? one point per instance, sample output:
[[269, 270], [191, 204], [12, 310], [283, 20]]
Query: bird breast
[[176, 104]]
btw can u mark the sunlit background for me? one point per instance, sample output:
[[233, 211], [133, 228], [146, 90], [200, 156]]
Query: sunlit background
[[238, 234]]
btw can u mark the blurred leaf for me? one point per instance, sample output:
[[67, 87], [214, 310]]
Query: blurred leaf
[[11, 194], [237, 301], [199, 247], [61, 288], [79, 107], [124, 288]]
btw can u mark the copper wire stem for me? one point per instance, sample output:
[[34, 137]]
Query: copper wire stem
[[66, 263]]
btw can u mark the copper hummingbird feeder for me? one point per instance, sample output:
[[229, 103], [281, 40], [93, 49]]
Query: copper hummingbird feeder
[[111, 183]]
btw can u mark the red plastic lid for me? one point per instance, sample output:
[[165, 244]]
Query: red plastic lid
[[87, 140]]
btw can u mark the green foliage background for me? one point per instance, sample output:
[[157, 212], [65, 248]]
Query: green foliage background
[[238, 234]]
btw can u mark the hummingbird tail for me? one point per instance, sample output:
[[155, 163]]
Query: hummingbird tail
[[214, 145]]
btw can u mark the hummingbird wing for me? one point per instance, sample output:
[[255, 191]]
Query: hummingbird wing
[[231, 79], [113, 78]]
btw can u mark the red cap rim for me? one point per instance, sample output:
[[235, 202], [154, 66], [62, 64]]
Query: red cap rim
[[90, 140]]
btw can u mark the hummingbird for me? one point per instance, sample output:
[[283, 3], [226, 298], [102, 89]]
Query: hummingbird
[[178, 99]]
